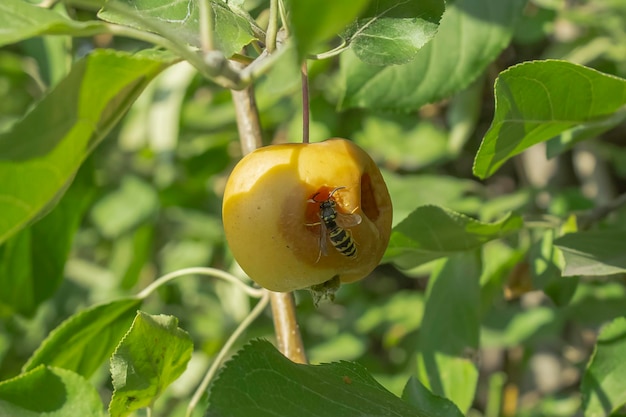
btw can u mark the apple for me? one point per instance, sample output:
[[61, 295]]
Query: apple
[[272, 214]]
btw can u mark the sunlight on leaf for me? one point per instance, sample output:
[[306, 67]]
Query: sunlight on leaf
[[449, 335], [604, 386], [151, 356], [40, 155], [536, 101], [20, 20], [50, 392], [391, 32], [597, 252], [432, 232], [84, 341], [471, 35]]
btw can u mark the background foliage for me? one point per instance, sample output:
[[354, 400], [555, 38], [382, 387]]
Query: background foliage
[[498, 126]]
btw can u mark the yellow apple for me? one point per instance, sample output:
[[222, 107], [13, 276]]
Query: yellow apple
[[272, 214]]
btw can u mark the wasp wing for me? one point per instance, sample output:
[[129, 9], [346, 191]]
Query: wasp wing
[[323, 240], [348, 220]]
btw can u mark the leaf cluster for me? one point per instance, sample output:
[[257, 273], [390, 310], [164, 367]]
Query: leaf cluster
[[499, 126]]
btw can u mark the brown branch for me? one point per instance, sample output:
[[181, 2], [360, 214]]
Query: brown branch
[[286, 326], [588, 218], [248, 123], [305, 103], [283, 305]]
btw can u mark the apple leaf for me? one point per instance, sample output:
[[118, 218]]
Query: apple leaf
[[391, 32], [449, 335], [50, 392], [471, 35], [603, 385], [41, 153], [247, 386], [537, 101], [33, 260], [151, 356], [20, 20], [83, 342], [432, 232], [316, 21], [597, 252], [232, 29], [417, 394]]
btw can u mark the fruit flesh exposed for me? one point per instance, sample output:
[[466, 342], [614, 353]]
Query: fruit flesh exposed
[[273, 228]]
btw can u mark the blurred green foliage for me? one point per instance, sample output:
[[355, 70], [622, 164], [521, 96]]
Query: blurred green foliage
[[151, 202]]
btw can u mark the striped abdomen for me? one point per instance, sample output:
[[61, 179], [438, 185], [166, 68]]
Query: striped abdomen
[[341, 239]]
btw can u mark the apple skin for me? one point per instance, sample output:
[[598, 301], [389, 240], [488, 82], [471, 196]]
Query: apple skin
[[272, 225]]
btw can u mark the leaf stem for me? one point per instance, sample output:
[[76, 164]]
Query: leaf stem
[[333, 52], [256, 311], [283, 17], [272, 27], [305, 103], [211, 272], [207, 40]]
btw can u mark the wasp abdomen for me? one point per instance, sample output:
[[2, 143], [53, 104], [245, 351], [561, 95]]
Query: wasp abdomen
[[342, 241]]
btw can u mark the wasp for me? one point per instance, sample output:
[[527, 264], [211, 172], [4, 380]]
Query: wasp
[[333, 225]]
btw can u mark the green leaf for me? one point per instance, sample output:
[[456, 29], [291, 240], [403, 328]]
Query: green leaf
[[512, 326], [472, 34], [232, 29], [259, 381], [126, 208], [544, 259], [40, 155], [420, 397], [449, 336], [566, 140], [32, 262], [603, 385], [598, 252], [151, 356], [432, 232], [392, 32], [20, 20], [50, 392], [536, 101], [83, 342], [316, 21]]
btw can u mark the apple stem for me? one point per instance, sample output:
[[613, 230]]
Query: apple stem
[[286, 326], [305, 103]]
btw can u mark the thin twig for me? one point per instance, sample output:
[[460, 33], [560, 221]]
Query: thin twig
[[594, 215], [272, 27], [256, 311], [248, 123], [284, 18], [207, 42], [305, 103], [211, 272]]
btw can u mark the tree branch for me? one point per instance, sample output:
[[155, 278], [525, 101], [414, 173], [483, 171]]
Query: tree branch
[[283, 305]]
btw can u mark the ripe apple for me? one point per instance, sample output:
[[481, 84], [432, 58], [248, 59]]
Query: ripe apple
[[272, 214]]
